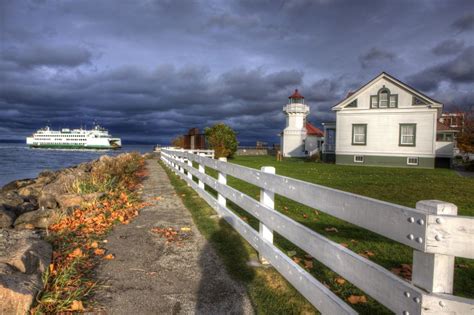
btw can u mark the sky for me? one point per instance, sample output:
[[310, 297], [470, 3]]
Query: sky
[[150, 70]]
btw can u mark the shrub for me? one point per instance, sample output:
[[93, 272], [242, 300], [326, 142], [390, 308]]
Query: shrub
[[222, 139]]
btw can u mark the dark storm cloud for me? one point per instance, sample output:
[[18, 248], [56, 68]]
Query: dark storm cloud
[[448, 47], [464, 23], [149, 70], [32, 56], [376, 56], [458, 70]]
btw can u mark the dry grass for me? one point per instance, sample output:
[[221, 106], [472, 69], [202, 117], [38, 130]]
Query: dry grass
[[77, 237]]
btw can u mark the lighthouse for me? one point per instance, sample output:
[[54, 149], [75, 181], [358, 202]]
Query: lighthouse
[[294, 135]]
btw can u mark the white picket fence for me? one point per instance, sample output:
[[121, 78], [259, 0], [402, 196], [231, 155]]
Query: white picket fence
[[433, 230]]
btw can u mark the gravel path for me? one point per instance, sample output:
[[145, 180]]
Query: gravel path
[[151, 276]]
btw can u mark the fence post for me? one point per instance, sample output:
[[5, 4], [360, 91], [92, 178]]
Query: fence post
[[190, 164], [433, 272], [222, 178], [181, 169], [268, 199], [201, 170]]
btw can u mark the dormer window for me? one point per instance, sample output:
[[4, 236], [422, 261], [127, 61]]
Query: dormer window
[[384, 99]]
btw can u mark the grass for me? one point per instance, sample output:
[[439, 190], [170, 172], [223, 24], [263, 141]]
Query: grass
[[396, 185]]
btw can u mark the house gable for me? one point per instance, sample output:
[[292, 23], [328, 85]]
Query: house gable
[[395, 94]]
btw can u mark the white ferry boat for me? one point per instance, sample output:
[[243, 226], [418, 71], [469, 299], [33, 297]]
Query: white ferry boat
[[97, 138]]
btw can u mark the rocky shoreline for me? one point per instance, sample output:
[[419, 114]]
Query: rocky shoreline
[[27, 208]]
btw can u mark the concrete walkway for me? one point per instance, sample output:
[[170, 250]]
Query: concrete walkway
[[150, 276]]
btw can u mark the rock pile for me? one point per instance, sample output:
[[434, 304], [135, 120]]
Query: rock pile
[[27, 208]]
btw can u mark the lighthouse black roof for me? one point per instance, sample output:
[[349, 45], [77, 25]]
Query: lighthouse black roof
[[296, 95]]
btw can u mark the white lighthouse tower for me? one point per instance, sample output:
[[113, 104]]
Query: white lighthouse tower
[[294, 135]]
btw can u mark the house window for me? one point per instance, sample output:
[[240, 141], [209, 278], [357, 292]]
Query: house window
[[358, 159], [374, 101], [384, 99], [353, 103], [412, 161], [393, 101], [407, 135], [359, 134]]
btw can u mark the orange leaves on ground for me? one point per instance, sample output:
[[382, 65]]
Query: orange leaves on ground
[[173, 234], [109, 256], [367, 254], [94, 245], [340, 280], [404, 271], [99, 252], [76, 253], [357, 299], [308, 264], [76, 306]]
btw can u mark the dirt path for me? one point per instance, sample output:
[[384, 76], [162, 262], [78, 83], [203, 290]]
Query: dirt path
[[150, 276]]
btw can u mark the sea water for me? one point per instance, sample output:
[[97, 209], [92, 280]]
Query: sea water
[[18, 161]]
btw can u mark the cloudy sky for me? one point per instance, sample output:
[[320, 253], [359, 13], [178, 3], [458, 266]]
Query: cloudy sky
[[149, 70]]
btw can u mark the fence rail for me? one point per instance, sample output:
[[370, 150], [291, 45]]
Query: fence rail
[[432, 230]]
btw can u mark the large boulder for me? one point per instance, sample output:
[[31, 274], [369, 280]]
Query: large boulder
[[47, 201], [40, 219], [23, 258], [69, 200], [17, 290], [6, 218], [27, 192], [10, 200], [73, 200], [16, 184]]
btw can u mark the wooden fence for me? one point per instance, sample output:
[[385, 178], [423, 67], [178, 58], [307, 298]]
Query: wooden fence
[[433, 230]]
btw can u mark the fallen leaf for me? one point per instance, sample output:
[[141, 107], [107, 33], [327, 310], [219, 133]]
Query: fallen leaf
[[356, 299], [51, 268], [158, 198], [99, 252], [286, 208], [297, 260], [331, 229], [291, 253], [305, 215], [308, 264], [316, 212], [109, 257], [462, 266], [185, 229], [76, 306], [183, 195], [340, 280], [94, 245], [344, 245], [76, 253], [369, 253], [354, 241]]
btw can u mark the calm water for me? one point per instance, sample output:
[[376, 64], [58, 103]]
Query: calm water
[[17, 161]]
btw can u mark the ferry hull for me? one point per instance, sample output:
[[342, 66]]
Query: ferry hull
[[75, 147]]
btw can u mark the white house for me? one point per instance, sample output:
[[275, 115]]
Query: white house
[[387, 123], [299, 138]]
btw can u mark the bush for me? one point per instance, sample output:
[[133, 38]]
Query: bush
[[222, 139]]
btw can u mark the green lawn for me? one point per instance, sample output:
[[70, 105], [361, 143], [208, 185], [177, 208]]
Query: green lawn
[[401, 186], [398, 185]]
